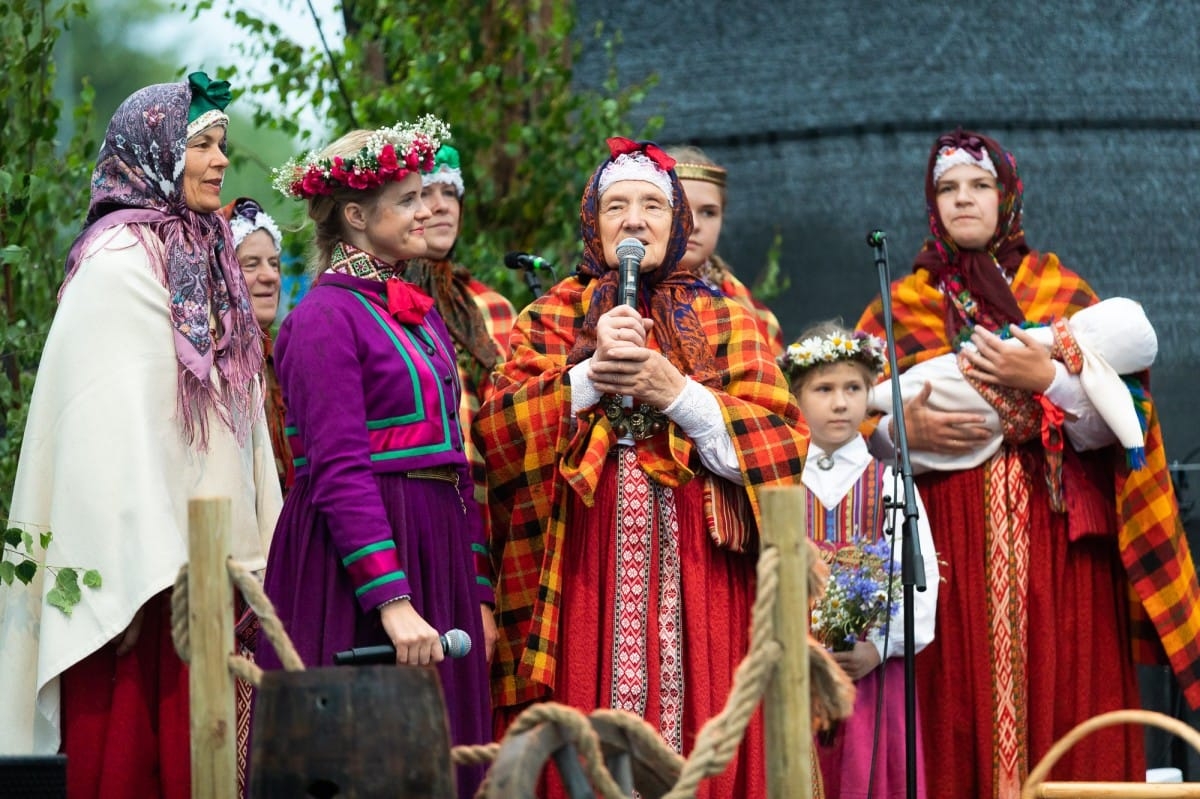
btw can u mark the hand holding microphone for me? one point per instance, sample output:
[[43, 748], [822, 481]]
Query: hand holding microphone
[[455, 644], [414, 639]]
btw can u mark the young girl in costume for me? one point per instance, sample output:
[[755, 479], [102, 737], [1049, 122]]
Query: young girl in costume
[[831, 371], [703, 181]]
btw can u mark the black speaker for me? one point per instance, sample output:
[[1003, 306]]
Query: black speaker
[[33, 777]]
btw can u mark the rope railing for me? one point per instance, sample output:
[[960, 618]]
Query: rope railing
[[716, 743]]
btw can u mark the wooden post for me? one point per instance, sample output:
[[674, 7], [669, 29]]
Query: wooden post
[[787, 712], [210, 632]]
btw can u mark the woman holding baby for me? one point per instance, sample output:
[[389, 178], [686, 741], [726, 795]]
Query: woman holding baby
[[1040, 542]]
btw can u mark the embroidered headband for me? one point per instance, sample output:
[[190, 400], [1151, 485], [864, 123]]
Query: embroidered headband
[[246, 216], [832, 348], [707, 172], [390, 154], [446, 169], [637, 161], [953, 156], [207, 108]]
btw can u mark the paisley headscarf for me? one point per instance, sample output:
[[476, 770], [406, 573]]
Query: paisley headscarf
[[668, 293], [977, 269], [138, 181]]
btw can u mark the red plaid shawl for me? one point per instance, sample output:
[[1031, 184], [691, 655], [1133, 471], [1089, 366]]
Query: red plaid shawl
[[1166, 607], [536, 452]]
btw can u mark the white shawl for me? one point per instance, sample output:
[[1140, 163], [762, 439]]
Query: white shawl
[[104, 468]]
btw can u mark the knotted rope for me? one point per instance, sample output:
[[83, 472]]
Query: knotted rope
[[716, 743]]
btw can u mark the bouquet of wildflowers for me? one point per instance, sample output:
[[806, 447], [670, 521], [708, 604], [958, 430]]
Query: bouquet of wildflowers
[[859, 595]]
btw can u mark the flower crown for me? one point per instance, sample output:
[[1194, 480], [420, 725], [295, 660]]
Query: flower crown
[[832, 348], [390, 154]]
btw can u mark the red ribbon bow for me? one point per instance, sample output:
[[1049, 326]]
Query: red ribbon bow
[[619, 145], [1052, 422], [406, 302], [963, 140]]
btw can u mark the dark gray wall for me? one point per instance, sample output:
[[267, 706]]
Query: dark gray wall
[[824, 115]]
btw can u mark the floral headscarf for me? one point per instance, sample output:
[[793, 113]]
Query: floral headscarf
[[138, 180], [978, 268], [669, 291]]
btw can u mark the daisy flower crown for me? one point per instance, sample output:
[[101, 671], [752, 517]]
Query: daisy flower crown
[[832, 348], [390, 154]]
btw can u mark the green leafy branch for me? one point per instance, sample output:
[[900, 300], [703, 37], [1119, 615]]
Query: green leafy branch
[[772, 281], [18, 561]]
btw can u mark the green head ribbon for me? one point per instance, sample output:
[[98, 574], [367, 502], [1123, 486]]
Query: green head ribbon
[[209, 98], [446, 169]]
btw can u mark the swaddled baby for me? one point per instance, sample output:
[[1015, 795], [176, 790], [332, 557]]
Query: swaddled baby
[[1114, 338]]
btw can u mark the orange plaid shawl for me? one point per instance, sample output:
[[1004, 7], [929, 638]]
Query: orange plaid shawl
[[536, 452], [736, 290], [1154, 550]]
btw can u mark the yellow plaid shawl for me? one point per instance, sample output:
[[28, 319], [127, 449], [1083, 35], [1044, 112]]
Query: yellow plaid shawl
[[536, 452], [1154, 549]]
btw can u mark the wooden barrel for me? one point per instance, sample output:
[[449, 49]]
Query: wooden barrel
[[352, 733]]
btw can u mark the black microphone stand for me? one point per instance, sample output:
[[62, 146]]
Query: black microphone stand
[[912, 562], [531, 280]]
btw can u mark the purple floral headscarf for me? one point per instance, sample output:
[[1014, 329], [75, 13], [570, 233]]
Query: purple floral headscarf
[[138, 181]]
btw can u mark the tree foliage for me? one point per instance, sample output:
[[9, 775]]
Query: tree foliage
[[43, 194], [501, 74]]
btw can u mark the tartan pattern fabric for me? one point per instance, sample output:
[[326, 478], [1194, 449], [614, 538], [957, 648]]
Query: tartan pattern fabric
[[1154, 550], [498, 316], [535, 452], [739, 292]]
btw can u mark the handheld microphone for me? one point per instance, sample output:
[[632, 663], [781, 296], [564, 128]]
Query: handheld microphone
[[630, 253], [525, 260], [455, 644], [875, 238]]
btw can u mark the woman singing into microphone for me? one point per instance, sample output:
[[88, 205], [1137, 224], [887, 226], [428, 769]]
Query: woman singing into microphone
[[621, 533]]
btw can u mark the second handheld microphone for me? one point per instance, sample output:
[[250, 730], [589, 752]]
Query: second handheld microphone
[[455, 644]]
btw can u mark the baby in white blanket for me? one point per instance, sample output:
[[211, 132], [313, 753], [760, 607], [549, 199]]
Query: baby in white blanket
[[1114, 337]]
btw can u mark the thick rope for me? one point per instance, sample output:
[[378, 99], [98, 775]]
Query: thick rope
[[721, 735], [179, 616], [257, 599], [272, 627], [576, 731], [716, 743]]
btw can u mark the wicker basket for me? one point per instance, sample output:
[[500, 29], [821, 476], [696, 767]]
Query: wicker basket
[[1037, 788]]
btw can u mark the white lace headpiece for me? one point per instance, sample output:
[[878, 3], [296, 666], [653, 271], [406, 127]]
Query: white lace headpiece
[[953, 156], [243, 226], [635, 166]]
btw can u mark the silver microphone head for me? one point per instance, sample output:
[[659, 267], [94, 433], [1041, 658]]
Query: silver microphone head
[[631, 247], [455, 643], [630, 253]]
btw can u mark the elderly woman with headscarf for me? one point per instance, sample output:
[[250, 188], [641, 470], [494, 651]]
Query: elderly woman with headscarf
[[1042, 541], [622, 530], [259, 245], [148, 394]]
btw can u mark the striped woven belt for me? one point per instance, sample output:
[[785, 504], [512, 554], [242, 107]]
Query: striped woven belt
[[447, 474]]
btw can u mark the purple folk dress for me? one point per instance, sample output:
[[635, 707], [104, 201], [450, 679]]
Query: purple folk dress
[[370, 400]]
